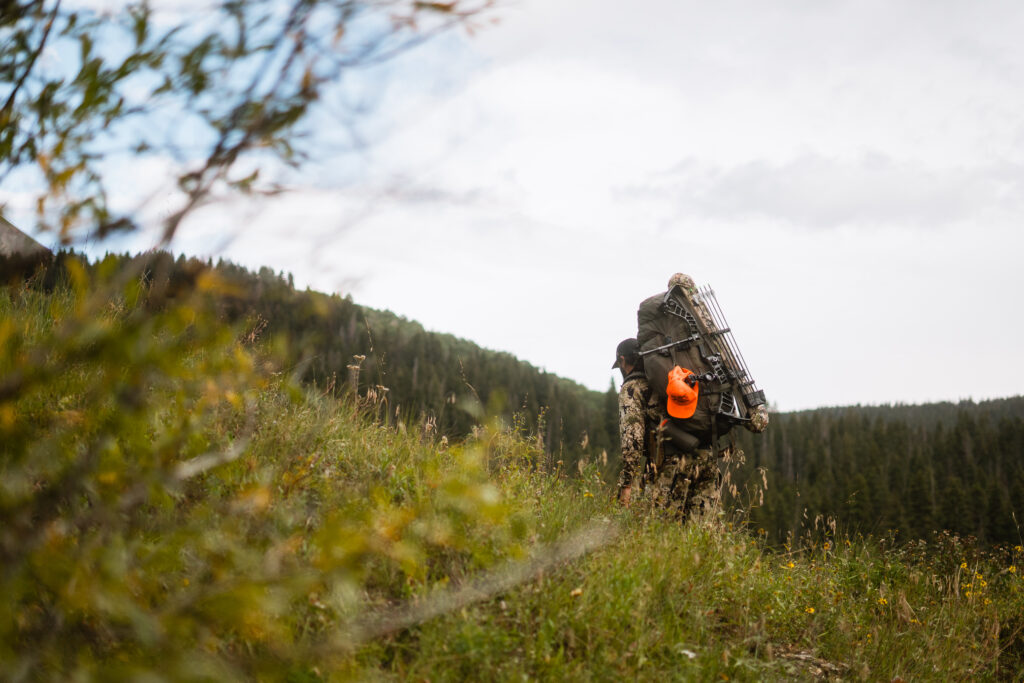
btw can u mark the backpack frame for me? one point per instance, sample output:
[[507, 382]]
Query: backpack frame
[[688, 328]]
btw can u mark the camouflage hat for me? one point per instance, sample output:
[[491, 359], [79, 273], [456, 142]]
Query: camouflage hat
[[684, 281], [758, 420], [628, 348]]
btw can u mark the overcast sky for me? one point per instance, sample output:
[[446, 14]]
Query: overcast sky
[[846, 175]]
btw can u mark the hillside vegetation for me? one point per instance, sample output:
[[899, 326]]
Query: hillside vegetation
[[912, 470], [174, 506], [425, 374]]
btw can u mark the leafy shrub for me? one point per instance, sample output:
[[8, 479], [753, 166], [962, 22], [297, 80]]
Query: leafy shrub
[[171, 505]]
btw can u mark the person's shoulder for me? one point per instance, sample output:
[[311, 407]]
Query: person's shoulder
[[634, 386]]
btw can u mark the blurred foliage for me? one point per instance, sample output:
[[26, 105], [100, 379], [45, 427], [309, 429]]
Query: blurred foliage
[[172, 506], [214, 94]]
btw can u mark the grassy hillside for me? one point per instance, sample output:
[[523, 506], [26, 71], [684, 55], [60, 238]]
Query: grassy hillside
[[877, 469], [426, 373], [171, 507]]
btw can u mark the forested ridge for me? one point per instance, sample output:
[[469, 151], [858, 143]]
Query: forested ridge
[[913, 469], [420, 374]]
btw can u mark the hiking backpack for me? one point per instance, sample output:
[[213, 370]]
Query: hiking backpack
[[684, 327]]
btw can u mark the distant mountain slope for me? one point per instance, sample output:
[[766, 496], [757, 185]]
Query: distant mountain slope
[[428, 375], [20, 255], [15, 243]]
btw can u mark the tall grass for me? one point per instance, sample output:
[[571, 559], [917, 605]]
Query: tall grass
[[173, 509]]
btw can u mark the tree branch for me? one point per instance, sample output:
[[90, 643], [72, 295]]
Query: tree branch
[[5, 113]]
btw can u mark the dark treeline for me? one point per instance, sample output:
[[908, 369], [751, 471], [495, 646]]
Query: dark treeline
[[914, 469], [427, 375]]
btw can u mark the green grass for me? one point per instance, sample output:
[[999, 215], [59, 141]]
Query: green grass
[[699, 602], [306, 541]]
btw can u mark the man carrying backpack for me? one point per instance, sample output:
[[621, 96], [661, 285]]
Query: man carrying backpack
[[679, 484], [688, 383]]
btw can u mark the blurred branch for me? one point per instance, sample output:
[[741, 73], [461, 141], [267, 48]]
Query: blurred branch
[[208, 461], [590, 538], [5, 113], [241, 78]]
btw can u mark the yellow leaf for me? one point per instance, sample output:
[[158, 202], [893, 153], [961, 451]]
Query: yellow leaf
[[7, 415]]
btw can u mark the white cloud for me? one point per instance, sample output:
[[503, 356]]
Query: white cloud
[[591, 149], [811, 191]]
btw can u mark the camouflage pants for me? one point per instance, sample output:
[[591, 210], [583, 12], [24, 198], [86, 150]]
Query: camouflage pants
[[688, 485]]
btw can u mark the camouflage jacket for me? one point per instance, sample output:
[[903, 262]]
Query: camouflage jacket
[[633, 406]]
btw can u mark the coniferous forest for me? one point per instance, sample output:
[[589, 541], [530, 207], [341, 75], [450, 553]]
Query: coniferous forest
[[914, 469]]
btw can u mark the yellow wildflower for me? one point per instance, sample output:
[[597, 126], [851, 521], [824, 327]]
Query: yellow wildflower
[[790, 565], [809, 610], [982, 583], [1012, 569], [1019, 549], [588, 494], [967, 594], [827, 545], [963, 565], [977, 575], [987, 601], [883, 601]]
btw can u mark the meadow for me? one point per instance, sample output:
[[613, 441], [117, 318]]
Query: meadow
[[176, 505]]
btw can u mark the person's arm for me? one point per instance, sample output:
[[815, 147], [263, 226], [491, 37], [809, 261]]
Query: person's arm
[[632, 404]]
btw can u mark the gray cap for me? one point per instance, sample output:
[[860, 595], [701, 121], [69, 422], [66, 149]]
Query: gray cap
[[628, 348]]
